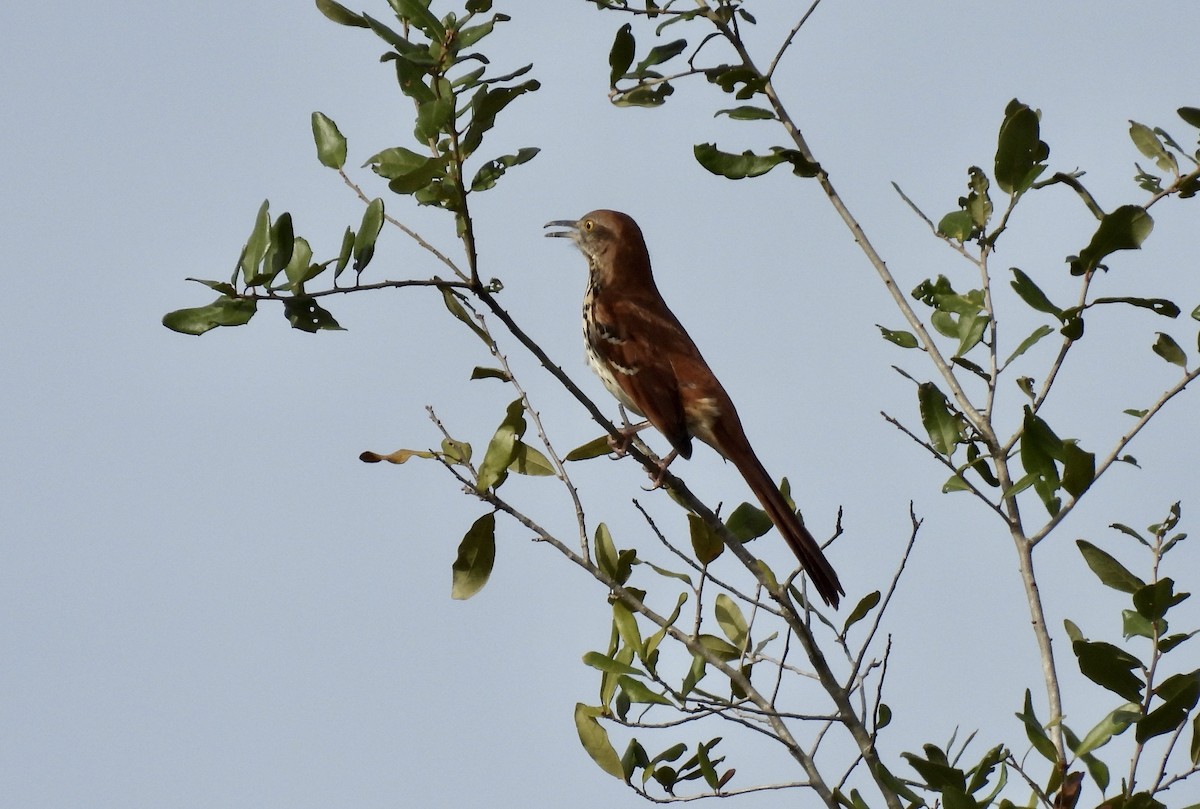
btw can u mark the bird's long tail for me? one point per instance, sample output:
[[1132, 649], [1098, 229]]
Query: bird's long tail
[[807, 551]]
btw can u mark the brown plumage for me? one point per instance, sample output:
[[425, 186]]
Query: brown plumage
[[646, 359]]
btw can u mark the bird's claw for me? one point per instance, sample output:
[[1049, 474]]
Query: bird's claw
[[658, 479], [620, 446]]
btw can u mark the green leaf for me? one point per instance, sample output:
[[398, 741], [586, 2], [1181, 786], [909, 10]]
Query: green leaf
[[644, 95], [400, 456], [903, 339], [733, 166], [883, 716], [705, 763], [706, 544], [660, 54], [970, 332], [943, 425], [696, 673], [731, 621], [1110, 572], [1114, 724], [956, 225], [300, 264], [432, 117], [627, 628], [1171, 641], [502, 449], [652, 643], [530, 461], [939, 775], [1020, 152], [1039, 447], [666, 778], [635, 757], [280, 243], [397, 162], [955, 483], [747, 112], [637, 691], [455, 307], [1190, 115], [861, 610], [595, 741], [417, 12], [671, 574], [620, 56], [1180, 694], [467, 37], [493, 170], [592, 449], [224, 287], [344, 254], [1154, 600], [1032, 294], [331, 144], [1029, 342], [1073, 328], [1079, 468], [456, 452], [257, 244], [1134, 625], [368, 233], [306, 315], [480, 372], [340, 14], [672, 753], [1194, 747], [729, 78], [977, 203], [1110, 667], [224, 311], [1123, 229], [1166, 347], [722, 649], [407, 171], [1160, 306], [1149, 144], [748, 522], [1035, 732], [486, 104], [749, 164], [606, 552], [476, 555]]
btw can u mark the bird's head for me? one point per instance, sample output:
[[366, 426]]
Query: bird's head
[[610, 239]]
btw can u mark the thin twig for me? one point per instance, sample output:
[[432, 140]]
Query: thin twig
[[559, 466], [944, 461], [787, 42], [1115, 454], [412, 234]]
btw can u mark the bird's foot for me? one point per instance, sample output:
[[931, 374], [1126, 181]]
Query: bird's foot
[[620, 444], [657, 479]]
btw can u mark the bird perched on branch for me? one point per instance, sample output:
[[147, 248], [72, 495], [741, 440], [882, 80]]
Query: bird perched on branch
[[647, 361]]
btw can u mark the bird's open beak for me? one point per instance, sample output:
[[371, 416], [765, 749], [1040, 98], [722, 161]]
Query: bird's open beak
[[571, 224]]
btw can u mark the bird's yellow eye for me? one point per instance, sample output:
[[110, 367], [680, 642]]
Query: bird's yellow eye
[[588, 224]]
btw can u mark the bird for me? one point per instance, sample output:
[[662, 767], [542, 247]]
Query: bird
[[646, 359]]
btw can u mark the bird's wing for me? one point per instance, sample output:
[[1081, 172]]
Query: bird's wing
[[636, 342]]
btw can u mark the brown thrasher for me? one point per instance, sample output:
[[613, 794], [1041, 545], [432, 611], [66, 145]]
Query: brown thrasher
[[646, 359]]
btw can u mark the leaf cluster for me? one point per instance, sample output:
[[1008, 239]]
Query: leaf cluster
[[456, 102], [1154, 705], [1050, 466]]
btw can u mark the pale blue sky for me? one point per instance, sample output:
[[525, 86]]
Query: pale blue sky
[[208, 601]]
